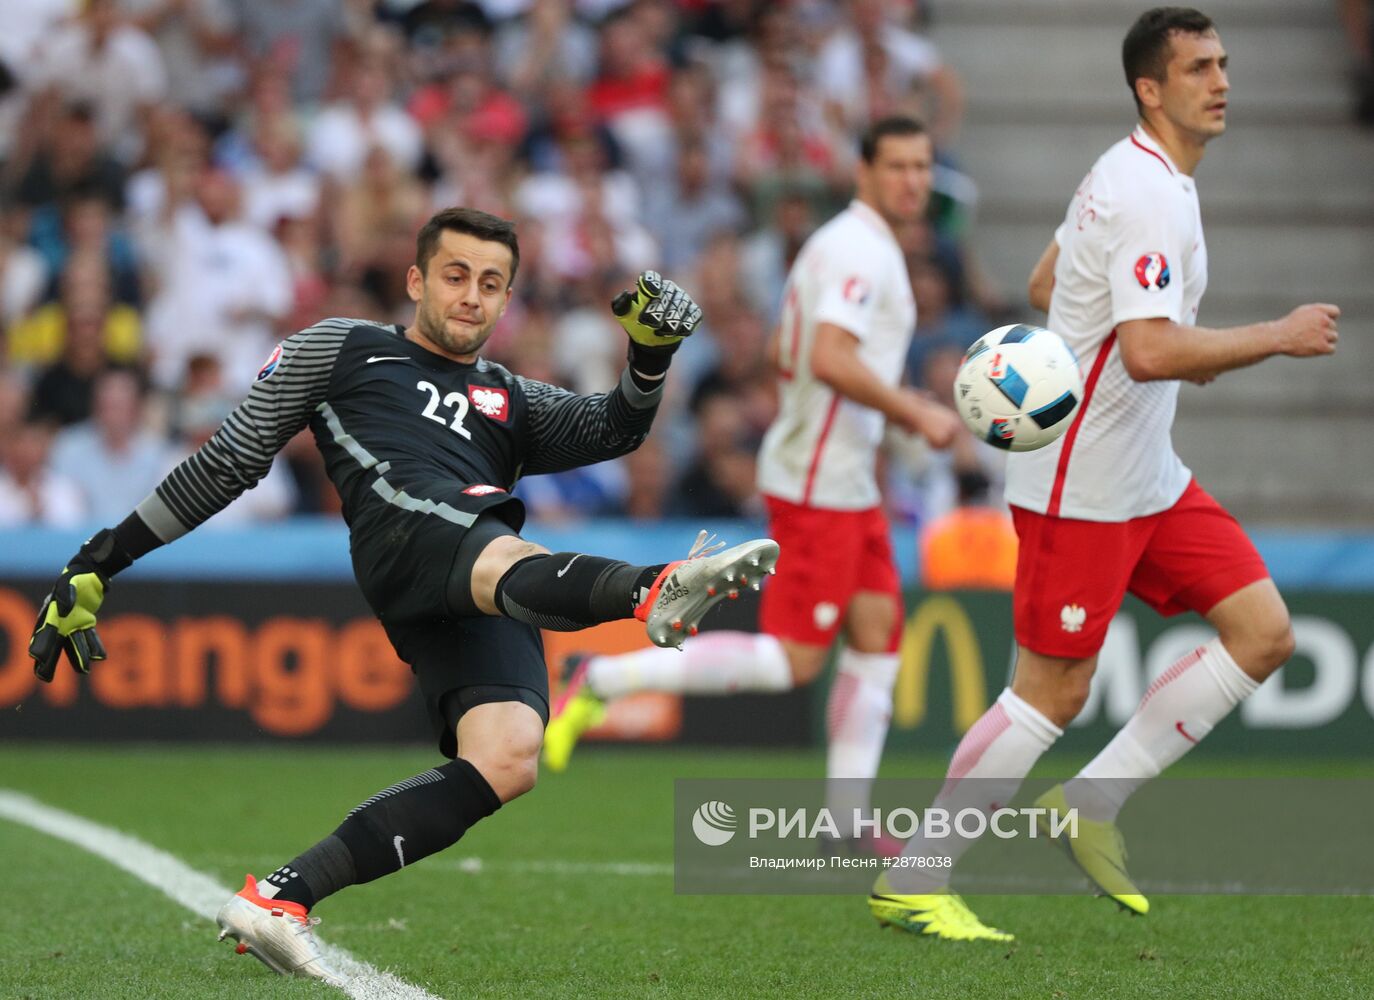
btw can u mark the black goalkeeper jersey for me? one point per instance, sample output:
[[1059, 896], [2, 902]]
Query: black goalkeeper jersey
[[401, 429]]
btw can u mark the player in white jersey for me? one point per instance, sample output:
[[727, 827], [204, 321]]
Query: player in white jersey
[[1110, 508], [847, 320]]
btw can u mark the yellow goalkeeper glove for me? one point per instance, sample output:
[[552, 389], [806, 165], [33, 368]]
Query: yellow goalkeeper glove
[[658, 313]]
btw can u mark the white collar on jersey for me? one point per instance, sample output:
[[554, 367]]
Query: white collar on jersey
[[1146, 142], [870, 215]]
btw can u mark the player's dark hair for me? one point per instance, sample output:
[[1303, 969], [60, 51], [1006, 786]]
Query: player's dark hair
[[470, 222], [884, 127], [1146, 50]]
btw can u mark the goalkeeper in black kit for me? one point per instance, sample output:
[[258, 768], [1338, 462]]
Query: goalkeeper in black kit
[[424, 441]]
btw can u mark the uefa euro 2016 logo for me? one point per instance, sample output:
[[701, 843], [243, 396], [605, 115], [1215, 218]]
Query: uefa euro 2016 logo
[[714, 823], [1152, 271]]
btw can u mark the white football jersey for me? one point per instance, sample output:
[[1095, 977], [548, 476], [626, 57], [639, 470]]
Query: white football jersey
[[822, 448], [1130, 247]]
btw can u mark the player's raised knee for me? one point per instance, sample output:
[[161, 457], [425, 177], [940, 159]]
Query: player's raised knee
[[1273, 644], [510, 770]]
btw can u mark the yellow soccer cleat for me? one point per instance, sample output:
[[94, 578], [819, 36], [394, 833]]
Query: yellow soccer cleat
[[575, 711], [1099, 851], [942, 915]]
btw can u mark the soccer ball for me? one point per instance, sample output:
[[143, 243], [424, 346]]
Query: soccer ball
[[1018, 387]]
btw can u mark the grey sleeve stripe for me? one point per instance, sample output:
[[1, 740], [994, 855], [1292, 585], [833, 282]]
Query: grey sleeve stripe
[[384, 489], [241, 451], [636, 396], [160, 519]]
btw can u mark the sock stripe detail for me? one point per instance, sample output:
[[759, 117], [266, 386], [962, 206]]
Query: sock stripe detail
[[842, 693], [1172, 674], [554, 623], [994, 723], [423, 778]]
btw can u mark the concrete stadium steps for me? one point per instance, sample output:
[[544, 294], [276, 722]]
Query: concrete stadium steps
[[1058, 73], [1301, 470], [1287, 199], [1306, 174]]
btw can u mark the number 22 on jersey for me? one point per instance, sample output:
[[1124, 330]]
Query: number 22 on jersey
[[457, 400]]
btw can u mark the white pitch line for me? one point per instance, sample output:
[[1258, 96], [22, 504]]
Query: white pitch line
[[478, 866], [196, 891]]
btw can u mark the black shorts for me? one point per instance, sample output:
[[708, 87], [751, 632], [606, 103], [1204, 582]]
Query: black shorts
[[403, 559], [464, 662], [404, 573]]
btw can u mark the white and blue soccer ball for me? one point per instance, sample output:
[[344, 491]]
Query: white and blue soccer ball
[[1018, 387]]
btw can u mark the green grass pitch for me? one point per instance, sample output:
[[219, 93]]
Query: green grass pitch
[[533, 923]]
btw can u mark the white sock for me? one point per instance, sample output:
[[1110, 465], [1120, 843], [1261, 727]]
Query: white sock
[[712, 663], [857, 715], [1178, 710], [997, 752]]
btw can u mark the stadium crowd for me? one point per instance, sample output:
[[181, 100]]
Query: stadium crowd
[[185, 182]]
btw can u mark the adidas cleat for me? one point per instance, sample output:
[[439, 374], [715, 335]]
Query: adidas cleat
[[1099, 851], [940, 915], [278, 934], [574, 712], [687, 589]]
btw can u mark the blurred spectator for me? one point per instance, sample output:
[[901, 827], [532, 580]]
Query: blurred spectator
[[276, 184], [632, 75], [784, 151], [464, 102], [647, 481], [14, 402], [23, 276], [545, 49], [872, 66], [768, 253], [345, 132], [63, 391], [198, 46], [296, 37], [382, 201], [223, 287], [112, 457], [941, 323], [85, 299], [721, 482], [973, 547], [72, 159], [689, 208], [85, 226], [110, 65], [587, 351], [31, 494], [300, 240]]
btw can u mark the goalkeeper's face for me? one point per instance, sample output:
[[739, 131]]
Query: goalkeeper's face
[[897, 182], [462, 292]]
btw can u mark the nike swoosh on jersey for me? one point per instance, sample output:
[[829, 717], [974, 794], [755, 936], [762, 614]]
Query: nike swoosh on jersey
[[387, 357], [569, 566], [396, 842]]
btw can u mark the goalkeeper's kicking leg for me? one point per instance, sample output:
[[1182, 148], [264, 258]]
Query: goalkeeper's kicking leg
[[837, 576]]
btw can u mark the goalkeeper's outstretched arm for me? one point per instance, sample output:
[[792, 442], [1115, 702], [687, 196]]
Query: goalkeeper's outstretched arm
[[292, 383]]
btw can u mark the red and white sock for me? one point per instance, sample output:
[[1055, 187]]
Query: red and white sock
[[857, 717], [711, 663], [1178, 710], [989, 765]]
